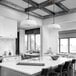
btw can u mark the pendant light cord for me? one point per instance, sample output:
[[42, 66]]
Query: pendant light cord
[[28, 10], [54, 12]]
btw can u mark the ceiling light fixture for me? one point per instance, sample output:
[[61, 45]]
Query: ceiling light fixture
[[54, 25], [28, 21]]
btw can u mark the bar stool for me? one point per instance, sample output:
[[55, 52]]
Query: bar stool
[[73, 66], [57, 71], [66, 68], [49, 72], [44, 72], [53, 73]]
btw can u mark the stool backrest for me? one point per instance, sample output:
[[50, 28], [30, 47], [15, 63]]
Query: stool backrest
[[44, 72], [73, 61], [66, 65]]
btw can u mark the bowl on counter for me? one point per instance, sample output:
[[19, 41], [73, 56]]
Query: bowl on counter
[[54, 57], [1, 58]]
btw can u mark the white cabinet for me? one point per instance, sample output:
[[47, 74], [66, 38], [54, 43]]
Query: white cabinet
[[8, 28]]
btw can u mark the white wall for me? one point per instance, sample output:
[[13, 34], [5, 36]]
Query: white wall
[[7, 45], [17, 16], [49, 39], [22, 41], [68, 26], [67, 22], [61, 19]]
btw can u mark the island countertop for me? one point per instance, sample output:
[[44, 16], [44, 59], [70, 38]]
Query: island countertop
[[32, 70]]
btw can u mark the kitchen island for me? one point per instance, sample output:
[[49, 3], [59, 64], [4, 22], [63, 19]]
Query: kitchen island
[[12, 69]]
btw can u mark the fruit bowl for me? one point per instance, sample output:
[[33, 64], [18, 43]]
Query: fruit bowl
[[54, 57]]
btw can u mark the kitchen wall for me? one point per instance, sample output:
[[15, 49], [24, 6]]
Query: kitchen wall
[[49, 39], [61, 19], [7, 45], [22, 41], [67, 22], [17, 16]]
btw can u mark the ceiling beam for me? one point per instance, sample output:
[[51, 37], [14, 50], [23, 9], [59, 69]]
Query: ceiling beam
[[30, 9], [44, 17], [31, 2], [64, 8], [37, 14], [49, 2], [41, 5], [61, 13], [34, 8], [48, 11]]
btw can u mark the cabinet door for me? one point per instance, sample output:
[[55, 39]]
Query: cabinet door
[[8, 28], [9, 72]]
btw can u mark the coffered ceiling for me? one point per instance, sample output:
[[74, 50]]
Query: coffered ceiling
[[42, 8]]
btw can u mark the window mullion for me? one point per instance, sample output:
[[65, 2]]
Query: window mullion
[[59, 45], [68, 45], [27, 42], [30, 41], [35, 41]]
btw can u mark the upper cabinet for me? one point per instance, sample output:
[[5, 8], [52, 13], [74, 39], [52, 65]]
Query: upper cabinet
[[8, 28]]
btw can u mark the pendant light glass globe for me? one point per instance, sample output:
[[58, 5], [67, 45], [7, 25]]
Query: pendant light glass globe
[[28, 21], [54, 25]]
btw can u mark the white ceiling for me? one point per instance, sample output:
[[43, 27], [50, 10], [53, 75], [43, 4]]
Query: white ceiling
[[22, 5], [57, 9], [40, 12], [70, 3]]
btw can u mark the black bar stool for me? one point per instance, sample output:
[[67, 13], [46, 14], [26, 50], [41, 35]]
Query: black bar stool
[[73, 66], [66, 68]]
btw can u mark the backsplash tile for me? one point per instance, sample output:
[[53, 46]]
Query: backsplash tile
[[7, 45]]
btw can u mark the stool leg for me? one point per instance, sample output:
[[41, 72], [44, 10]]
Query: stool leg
[[73, 69]]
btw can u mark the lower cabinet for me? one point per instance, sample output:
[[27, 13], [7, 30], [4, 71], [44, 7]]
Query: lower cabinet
[[9, 72]]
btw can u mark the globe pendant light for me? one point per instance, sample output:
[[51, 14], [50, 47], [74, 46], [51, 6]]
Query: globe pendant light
[[54, 25], [28, 21]]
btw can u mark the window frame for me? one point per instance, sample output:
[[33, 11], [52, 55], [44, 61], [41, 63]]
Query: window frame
[[59, 45], [29, 35], [68, 45]]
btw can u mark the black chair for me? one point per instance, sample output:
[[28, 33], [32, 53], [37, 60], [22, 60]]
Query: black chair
[[53, 73], [56, 71], [44, 72], [59, 69], [72, 63], [73, 66], [49, 72], [66, 69]]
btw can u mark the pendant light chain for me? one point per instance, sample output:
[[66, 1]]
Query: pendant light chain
[[28, 10], [54, 12]]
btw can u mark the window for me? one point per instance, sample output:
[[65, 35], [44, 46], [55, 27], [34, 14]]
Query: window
[[67, 40], [64, 45], [67, 45], [73, 45], [38, 42], [32, 42], [26, 41]]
